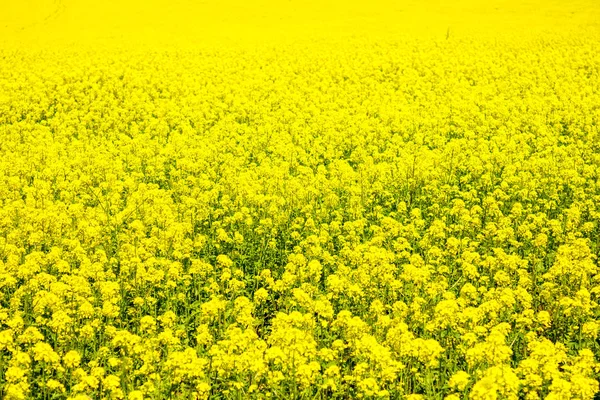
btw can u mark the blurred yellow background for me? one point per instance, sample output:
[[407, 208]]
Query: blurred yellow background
[[185, 22]]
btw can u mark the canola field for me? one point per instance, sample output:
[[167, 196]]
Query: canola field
[[299, 199]]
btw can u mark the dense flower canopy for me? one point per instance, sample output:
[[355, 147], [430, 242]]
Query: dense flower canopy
[[412, 214]]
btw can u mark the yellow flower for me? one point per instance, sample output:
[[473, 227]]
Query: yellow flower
[[31, 335], [55, 385], [459, 380], [72, 359], [135, 395], [590, 329], [261, 295], [147, 324], [496, 381], [543, 318], [14, 374], [16, 391], [44, 352]]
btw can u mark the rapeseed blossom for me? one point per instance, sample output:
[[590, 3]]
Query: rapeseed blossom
[[346, 210]]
